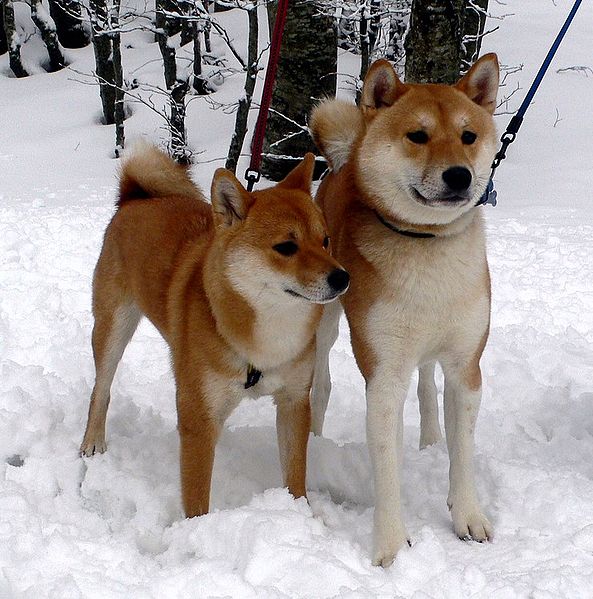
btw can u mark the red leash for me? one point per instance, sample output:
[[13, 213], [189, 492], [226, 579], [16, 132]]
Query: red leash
[[253, 174]]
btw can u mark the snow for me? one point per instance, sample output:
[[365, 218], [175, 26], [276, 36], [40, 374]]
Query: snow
[[111, 526]]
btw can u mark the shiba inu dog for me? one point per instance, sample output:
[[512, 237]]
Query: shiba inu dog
[[408, 167], [236, 289]]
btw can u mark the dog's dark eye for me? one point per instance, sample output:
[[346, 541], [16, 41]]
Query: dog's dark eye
[[418, 137], [468, 138], [326, 242], [286, 248]]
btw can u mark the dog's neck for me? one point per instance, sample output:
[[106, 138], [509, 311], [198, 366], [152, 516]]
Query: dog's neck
[[420, 231], [263, 333]]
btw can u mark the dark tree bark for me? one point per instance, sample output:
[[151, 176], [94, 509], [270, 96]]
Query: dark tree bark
[[3, 44], [13, 40], [176, 87], [434, 41], [207, 28], [306, 73], [245, 101], [179, 150], [199, 84], [222, 6], [188, 9], [118, 77], [67, 16], [167, 51], [397, 31], [103, 48], [474, 20], [47, 28], [369, 31]]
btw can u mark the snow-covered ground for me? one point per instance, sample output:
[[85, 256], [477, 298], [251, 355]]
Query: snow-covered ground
[[112, 526]]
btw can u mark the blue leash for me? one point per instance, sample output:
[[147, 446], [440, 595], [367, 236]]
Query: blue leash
[[508, 137]]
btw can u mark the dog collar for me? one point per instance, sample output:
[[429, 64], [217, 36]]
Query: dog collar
[[253, 376], [405, 232]]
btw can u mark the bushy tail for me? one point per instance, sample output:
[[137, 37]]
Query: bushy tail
[[149, 173]]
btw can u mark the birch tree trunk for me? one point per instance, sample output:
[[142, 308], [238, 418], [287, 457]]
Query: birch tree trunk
[[13, 40], [245, 101], [306, 73], [47, 28], [434, 41], [67, 16]]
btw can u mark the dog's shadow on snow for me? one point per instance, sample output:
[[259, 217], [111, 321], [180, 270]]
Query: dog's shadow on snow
[[247, 463]]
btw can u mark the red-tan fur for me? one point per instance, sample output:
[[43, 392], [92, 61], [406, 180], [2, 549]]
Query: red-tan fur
[[208, 277], [412, 301]]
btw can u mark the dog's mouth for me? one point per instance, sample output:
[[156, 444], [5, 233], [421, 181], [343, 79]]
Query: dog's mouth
[[314, 300], [452, 200]]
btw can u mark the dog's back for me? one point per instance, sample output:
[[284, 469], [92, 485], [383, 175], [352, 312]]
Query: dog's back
[[160, 210]]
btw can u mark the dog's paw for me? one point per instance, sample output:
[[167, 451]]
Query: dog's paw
[[430, 436], [471, 525], [386, 546], [90, 447]]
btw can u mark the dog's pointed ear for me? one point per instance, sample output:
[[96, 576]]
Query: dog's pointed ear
[[301, 176], [480, 83], [381, 87], [230, 200]]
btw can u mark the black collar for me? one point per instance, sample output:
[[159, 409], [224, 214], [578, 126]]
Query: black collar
[[406, 232], [253, 376]]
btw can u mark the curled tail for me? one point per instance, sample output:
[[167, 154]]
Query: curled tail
[[150, 173]]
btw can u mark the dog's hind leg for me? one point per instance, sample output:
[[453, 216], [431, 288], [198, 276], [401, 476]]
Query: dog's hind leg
[[462, 401], [430, 430], [327, 333], [115, 324]]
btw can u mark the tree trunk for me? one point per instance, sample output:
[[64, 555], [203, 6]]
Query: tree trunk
[[47, 28], [3, 44], [188, 9], [102, 46], [177, 88], [474, 20], [207, 28], [167, 51], [398, 20], [222, 6], [118, 77], [434, 41], [179, 149], [13, 40], [199, 84], [306, 73], [245, 101], [67, 16]]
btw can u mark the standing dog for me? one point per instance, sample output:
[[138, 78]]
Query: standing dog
[[407, 170], [234, 288]]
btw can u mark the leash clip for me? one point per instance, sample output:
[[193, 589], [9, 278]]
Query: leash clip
[[489, 196]]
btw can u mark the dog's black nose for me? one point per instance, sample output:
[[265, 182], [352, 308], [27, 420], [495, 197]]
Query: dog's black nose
[[338, 279], [457, 178]]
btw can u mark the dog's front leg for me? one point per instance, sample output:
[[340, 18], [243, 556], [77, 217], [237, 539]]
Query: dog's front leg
[[293, 419], [386, 393], [198, 434], [462, 402]]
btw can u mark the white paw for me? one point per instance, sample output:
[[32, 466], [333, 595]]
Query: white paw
[[430, 437], [470, 524], [387, 544], [90, 447]]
